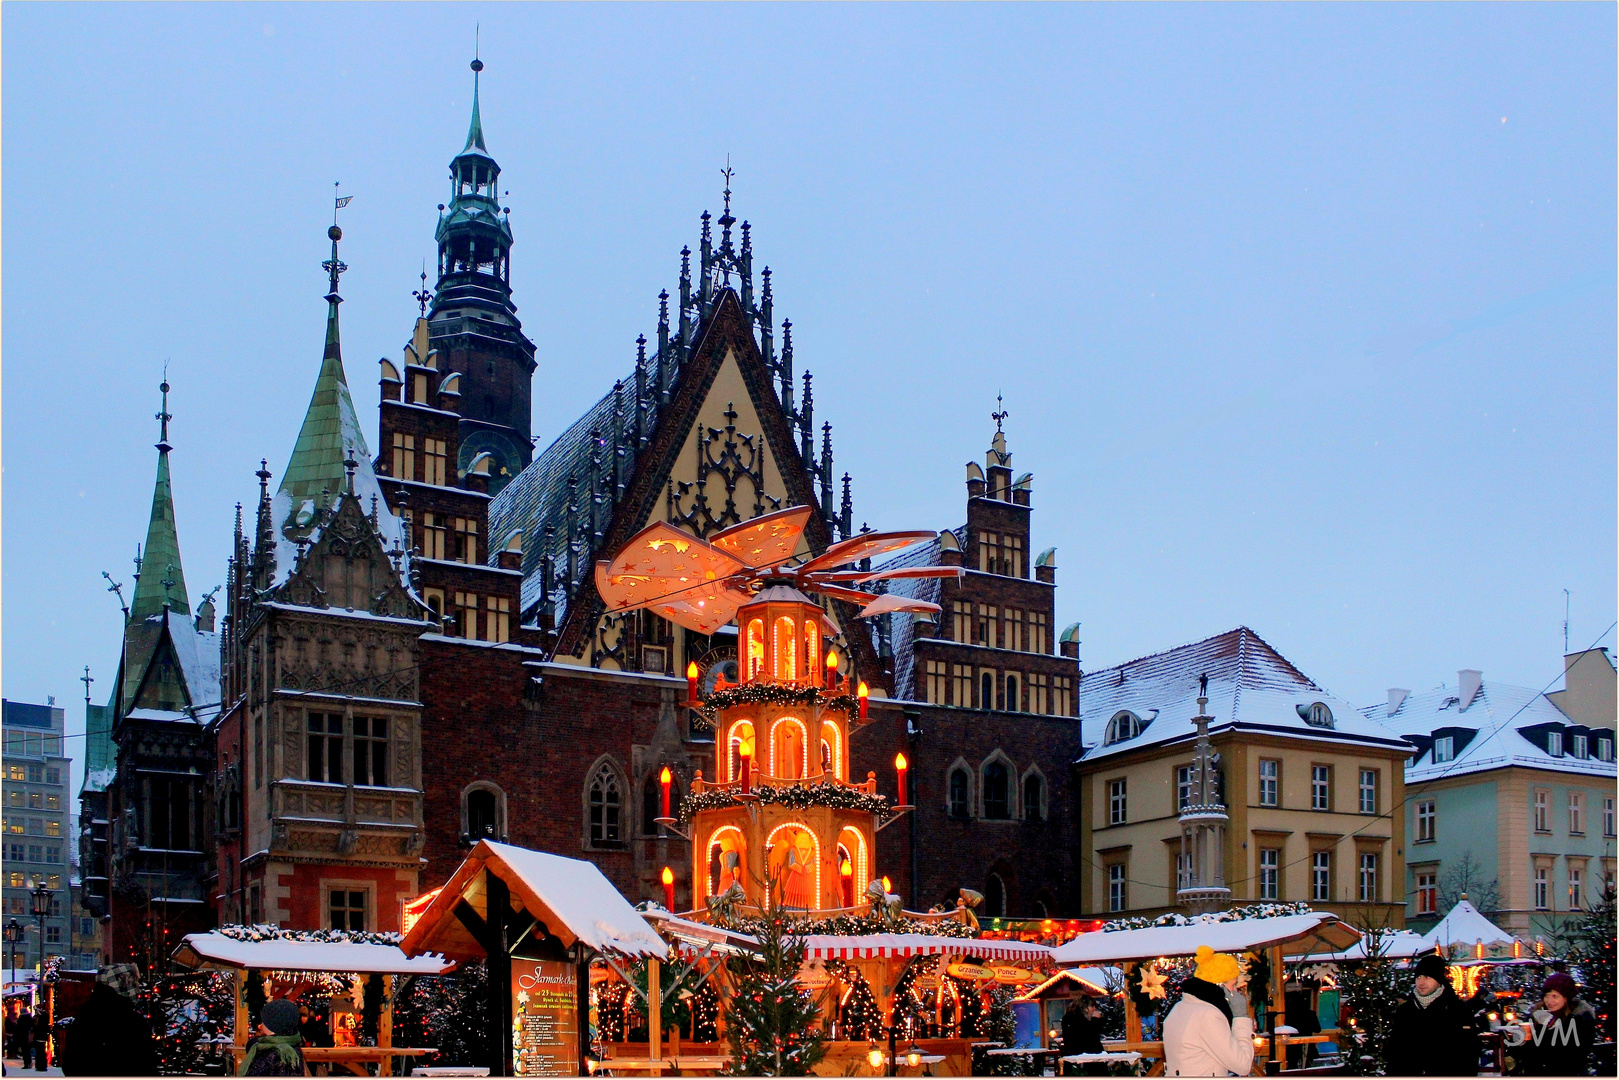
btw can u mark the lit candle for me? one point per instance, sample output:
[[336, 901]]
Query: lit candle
[[668, 888], [901, 768], [887, 886], [666, 778], [863, 694], [846, 871], [831, 670], [745, 752], [691, 683]]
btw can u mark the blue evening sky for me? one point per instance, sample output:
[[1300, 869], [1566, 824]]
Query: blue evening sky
[[1304, 314]]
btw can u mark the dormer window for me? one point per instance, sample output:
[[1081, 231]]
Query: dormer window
[[1554, 743], [1444, 748], [1122, 728], [1604, 749], [1315, 714], [1579, 747]]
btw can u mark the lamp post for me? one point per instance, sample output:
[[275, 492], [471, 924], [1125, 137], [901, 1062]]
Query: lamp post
[[13, 932], [41, 899]]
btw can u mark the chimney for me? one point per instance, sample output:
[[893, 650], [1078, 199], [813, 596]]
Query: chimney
[[1396, 699], [1468, 682]]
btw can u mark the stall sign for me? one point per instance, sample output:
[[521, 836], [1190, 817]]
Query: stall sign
[[545, 1018], [1008, 975], [971, 972]]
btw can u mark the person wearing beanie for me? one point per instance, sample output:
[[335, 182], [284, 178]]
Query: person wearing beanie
[[1209, 1031], [277, 1049], [1434, 1032], [1562, 1031]]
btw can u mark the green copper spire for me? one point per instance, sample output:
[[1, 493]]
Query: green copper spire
[[162, 581], [331, 428], [475, 131]]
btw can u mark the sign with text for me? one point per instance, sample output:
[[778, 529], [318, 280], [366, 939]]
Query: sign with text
[[545, 1017]]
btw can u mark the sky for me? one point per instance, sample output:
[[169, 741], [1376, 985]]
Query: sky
[[1303, 315]]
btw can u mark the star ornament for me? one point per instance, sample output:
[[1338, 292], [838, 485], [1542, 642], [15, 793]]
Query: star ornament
[[1152, 983]]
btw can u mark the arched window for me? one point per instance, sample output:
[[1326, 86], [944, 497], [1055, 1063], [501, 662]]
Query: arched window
[[831, 759], [1040, 909], [812, 650], [997, 796], [604, 799], [481, 820], [960, 793], [994, 897], [727, 860], [1122, 727], [652, 802], [1316, 714], [786, 641], [986, 691], [1012, 699], [755, 648], [741, 732], [793, 861], [1034, 798]]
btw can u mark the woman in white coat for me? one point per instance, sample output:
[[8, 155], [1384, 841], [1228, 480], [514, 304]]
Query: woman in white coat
[[1209, 1031]]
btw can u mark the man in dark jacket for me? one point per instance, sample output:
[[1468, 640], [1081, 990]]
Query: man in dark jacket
[[109, 1037], [1081, 1032], [1434, 1033], [278, 1049]]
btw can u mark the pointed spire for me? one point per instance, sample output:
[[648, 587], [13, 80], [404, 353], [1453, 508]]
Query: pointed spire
[[806, 416], [846, 510], [826, 473], [162, 539], [475, 129]]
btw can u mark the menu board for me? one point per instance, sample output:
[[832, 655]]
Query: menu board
[[545, 1017]]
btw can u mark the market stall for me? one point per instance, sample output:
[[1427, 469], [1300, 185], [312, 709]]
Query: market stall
[[539, 920], [1147, 950], [268, 962]]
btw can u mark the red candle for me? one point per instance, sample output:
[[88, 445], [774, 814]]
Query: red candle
[[745, 752], [831, 670], [668, 888], [862, 693], [665, 778], [691, 683], [901, 769]]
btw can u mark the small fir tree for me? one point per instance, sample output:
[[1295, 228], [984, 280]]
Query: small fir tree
[[1371, 991], [1591, 951], [770, 1019]]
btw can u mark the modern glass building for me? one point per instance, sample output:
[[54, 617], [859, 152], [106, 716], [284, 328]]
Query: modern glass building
[[37, 828]]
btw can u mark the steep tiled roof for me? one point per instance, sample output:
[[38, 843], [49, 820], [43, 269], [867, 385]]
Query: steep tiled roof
[[929, 589], [1251, 687], [538, 496], [1499, 715]]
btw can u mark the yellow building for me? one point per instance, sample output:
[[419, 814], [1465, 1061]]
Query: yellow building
[[1313, 790]]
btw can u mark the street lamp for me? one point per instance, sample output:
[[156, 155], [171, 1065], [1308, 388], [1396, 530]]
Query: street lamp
[[41, 899], [13, 932]]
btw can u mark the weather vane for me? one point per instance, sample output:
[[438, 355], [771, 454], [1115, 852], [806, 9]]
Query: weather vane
[[999, 414], [728, 173], [422, 295]]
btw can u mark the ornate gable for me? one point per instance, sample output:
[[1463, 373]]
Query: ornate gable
[[346, 567]]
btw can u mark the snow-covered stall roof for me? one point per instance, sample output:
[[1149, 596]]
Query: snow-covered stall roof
[[694, 937], [874, 946], [1309, 932], [1465, 926], [1094, 981], [571, 897], [288, 954], [1396, 945]]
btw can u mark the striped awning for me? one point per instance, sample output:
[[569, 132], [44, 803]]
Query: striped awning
[[884, 946]]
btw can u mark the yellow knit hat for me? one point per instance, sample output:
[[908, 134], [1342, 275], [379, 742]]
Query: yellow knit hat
[[1216, 967]]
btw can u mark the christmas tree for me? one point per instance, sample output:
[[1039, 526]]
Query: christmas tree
[[1591, 951], [1371, 992], [770, 1019]]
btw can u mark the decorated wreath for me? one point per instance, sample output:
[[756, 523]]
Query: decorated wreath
[[1147, 986], [763, 693], [789, 796]]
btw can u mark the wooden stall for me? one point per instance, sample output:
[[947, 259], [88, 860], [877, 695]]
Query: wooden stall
[[1273, 937], [284, 958], [539, 920]]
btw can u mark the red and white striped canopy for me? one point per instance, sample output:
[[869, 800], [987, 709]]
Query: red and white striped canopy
[[880, 946]]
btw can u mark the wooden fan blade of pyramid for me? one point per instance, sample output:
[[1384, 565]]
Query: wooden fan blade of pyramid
[[892, 602], [854, 577], [767, 540], [833, 592], [864, 546], [657, 562], [703, 609]]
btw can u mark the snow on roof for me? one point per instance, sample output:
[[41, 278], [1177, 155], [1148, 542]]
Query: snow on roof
[[870, 946], [1464, 925], [1396, 945], [572, 897], [1497, 718], [198, 653], [1311, 930], [281, 954], [1251, 687], [159, 715]]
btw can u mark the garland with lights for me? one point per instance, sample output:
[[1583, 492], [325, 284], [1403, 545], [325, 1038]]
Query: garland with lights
[[790, 796], [859, 1017], [763, 693], [271, 932], [1236, 914], [856, 924]]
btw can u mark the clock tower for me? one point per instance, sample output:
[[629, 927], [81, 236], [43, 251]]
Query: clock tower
[[472, 322]]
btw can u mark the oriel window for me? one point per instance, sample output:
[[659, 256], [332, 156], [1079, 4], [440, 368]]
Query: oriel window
[[324, 743], [371, 751]]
